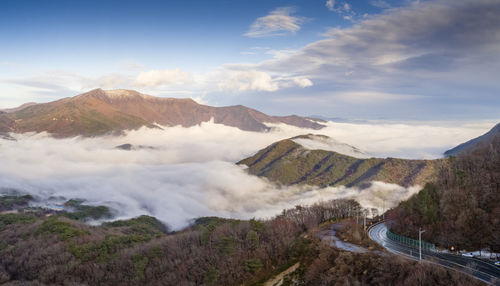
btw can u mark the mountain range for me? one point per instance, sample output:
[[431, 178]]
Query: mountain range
[[321, 161], [100, 111]]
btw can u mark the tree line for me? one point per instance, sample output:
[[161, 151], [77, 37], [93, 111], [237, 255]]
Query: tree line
[[462, 208]]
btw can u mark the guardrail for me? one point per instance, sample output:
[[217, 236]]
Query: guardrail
[[409, 241]]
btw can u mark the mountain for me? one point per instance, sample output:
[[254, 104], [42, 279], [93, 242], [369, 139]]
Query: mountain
[[7, 110], [462, 207], [288, 162], [98, 112], [485, 139], [322, 142], [5, 122]]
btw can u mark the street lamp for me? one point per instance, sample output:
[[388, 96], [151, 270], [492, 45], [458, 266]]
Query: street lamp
[[420, 231], [383, 210]]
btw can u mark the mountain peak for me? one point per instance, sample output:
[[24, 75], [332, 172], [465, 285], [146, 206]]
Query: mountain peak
[[113, 94], [323, 142], [125, 93], [117, 95], [102, 111], [318, 160]]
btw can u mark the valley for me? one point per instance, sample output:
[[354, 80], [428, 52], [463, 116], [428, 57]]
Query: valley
[[250, 143]]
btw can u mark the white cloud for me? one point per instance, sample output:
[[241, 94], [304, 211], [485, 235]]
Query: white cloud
[[281, 54], [249, 80], [162, 77], [190, 172], [343, 9], [302, 81], [434, 48], [130, 65], [278, 23], [109, 81], [411, 140], [364, 97], [380, 4], [329, 144], [330, 4], [425, 48], [255, 80]]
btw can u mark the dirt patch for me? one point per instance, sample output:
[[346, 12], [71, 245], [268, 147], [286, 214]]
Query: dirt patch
[[278, 279]]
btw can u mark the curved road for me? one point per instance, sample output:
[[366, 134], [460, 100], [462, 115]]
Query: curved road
[[484, 271]]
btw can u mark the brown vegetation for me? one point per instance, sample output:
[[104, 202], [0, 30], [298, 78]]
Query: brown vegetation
[[98, 112], [330, 266], [462, 209], [60, 251]]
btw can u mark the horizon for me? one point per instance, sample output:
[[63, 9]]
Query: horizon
[[377, 60], [441, 122]]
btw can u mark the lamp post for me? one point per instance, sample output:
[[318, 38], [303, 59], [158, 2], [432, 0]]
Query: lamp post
[[365, 213], [383, 211], [420, 231]]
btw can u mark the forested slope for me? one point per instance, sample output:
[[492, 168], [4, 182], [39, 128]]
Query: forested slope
[[462, 208], [57, 250], [287, 162]]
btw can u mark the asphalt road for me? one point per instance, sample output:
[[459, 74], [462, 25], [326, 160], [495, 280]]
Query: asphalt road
[[480, 269], [329, 235]]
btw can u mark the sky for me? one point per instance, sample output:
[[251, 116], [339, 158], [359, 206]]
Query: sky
[[373, 59]]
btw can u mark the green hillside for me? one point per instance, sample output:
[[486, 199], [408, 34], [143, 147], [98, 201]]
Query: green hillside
[[289, 163]]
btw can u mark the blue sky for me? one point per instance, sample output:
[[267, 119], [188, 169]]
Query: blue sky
[[400, 60]]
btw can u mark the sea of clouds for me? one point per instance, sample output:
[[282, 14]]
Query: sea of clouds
[[177, 174]]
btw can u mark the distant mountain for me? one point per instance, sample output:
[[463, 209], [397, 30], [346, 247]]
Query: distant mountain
[[475, 143], [288, 162], [7, 110], [98, 112], [5, 122], [322, 142]]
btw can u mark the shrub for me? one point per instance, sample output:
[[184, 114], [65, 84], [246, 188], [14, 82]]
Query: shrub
[[7, 219], [61, 228], [143, 225], [253, 265]]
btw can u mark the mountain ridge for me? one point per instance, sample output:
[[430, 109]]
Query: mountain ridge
[[99, 112], [287, 162], [475, 143]]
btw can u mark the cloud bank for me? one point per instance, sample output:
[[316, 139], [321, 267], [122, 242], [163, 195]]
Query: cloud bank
[[178, 174]]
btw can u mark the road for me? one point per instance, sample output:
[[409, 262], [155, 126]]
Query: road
[[484, 271], [329, 235]]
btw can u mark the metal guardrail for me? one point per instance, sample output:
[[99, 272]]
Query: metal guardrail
[[410, 242]]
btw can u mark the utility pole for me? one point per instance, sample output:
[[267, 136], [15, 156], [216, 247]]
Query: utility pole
[[383, 211], [364, 221], [420, 231]]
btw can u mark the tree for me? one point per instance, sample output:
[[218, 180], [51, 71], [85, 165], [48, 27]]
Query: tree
[[253, 239]]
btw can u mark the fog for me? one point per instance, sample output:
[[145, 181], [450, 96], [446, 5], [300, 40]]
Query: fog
[[178, 174]]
